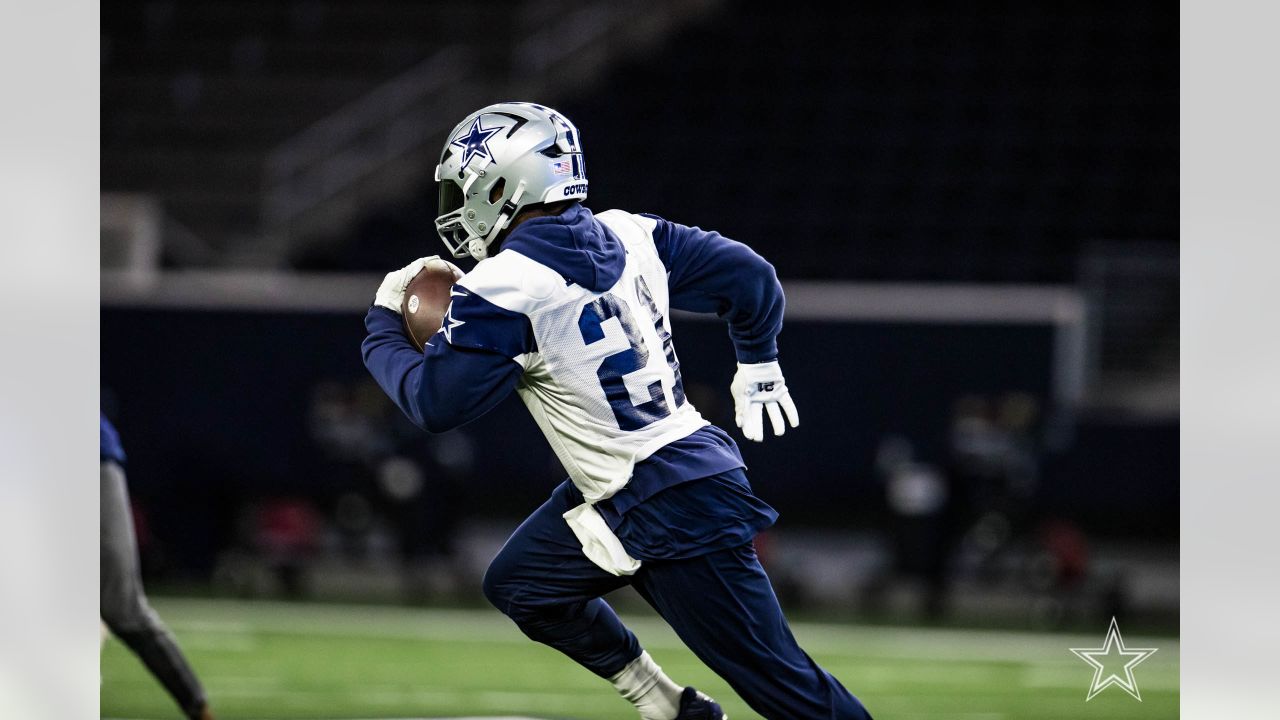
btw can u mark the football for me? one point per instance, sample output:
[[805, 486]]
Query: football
[[426, 299]]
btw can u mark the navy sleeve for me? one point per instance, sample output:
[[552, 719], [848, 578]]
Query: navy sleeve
[[442, 388], [707, 272]]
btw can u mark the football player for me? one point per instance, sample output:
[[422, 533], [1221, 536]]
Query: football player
[[570, 310], [122, 602]]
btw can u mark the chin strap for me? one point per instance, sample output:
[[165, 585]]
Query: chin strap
[[479, 247]]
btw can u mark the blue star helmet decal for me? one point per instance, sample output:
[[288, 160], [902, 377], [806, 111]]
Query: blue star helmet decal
[[475, 141]]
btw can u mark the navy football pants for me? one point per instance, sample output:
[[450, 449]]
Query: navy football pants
[[720, 604]]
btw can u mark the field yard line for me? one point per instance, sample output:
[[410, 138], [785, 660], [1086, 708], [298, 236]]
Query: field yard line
[[952, 716], [246, 685], [1041, 678], [488, 627]]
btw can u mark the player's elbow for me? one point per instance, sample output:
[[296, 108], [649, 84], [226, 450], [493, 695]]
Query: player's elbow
[[437, 415], [436, 423], [762, 291], [753, 268], [767, 273]]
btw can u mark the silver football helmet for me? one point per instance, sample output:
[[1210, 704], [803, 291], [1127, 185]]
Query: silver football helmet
[[499, 160]]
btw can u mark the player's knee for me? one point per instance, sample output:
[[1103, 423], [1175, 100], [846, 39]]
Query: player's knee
[[128, 615], [514, 596]]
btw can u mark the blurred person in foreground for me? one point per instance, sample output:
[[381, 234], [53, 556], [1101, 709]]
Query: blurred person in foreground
[[569, 309], [122, 602]]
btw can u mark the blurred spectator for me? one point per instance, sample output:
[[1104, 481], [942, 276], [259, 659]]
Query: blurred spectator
[[346, 423], [993, 462], [347, 439], [1058, 572], [421, 506], [286, 534], [389, 487], [1065, 544], [977, 500], [921, 510]]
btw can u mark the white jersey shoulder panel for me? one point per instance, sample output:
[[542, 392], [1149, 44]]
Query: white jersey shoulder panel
[[512, 282]]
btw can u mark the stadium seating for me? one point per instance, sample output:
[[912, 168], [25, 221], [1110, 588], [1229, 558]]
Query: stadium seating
[[905, 142], [194, 95], [962, 144]]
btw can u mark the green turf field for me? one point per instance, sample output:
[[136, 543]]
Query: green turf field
[[279, 660]]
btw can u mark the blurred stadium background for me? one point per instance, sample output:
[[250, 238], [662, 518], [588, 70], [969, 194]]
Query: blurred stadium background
[[973, 210]]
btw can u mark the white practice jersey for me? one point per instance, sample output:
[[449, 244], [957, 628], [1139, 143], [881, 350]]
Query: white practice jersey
[[603, 381]]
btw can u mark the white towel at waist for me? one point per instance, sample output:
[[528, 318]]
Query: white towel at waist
[[599, 543]]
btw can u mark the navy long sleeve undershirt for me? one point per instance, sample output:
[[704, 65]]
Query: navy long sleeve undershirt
[[442, 388], [459, 379], [708, 272]]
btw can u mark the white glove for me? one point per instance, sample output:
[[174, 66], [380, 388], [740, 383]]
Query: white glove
[[758, 388], [391, 291]]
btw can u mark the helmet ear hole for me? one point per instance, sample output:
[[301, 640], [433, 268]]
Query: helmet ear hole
[[496, 192]]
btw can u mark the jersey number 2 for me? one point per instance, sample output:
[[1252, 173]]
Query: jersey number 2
[[612, 370]]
